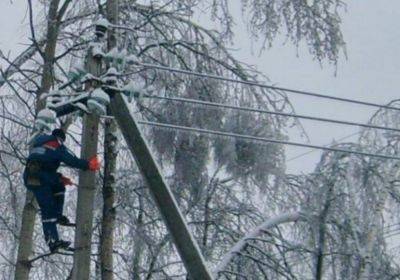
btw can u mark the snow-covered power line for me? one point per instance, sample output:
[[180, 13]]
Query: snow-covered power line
[[249, 109], [261, 85], [262, 139]]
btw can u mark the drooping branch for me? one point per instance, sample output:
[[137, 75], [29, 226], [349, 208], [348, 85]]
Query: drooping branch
[[281, 219]]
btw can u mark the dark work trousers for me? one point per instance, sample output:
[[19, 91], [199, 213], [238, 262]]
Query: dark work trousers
[[51, 202], [59, 195]]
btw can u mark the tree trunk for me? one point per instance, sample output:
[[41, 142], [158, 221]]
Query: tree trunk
[[377, 212], [87, 188], [110, 163], [138, 251], [322, 233], [25, 238], [29, 212], [108, 221]]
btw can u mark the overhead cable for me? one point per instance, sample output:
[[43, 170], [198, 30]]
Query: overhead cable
[[249, 109], [309, 152], [250, 83], [262, 139]]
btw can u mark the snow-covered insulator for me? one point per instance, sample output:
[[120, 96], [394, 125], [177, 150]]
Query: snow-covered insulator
[[97, 51], [110, 77], [100, 96], [134, 90], [45, 118], [82, 107], [132, 59], [122, 56], [47, 115], [98, 102], [112, 54], [101, 27], [88, 78], [96, 107], [150, 89], [76, 73], [42, 125], [55, 97]]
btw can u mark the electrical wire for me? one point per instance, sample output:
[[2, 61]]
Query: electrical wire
[[248, 109], [262, 139], [312, 151], [250, 83]]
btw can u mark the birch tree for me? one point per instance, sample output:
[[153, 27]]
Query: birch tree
[[110, 168], [48, 55]]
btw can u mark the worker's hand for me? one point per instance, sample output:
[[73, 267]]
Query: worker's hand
[[94, 163], [66, 181]]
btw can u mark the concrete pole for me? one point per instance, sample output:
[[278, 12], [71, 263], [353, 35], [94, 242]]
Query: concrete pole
[[184, 241]]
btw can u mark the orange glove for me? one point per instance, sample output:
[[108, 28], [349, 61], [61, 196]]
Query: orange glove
[[94, 163], [66, 181]]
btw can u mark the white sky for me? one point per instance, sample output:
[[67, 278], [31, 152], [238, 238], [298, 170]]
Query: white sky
[[371, 31], [372, 34]]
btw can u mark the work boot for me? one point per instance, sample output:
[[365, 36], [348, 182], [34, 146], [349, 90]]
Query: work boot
[[63, 221], [59, 244]]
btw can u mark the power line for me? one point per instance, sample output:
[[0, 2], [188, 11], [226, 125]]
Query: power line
[[250, 83], [309, 152], [262, 139], [392, 235], [249, 109], [392, 225]]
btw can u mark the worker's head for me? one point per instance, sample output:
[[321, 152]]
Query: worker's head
[[59, 133]]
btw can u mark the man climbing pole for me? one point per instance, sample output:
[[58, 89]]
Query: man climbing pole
[[48, 186]]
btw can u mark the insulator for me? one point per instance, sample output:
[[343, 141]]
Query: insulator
[[47, 115], [110, 78], [101, 27], [42, 125], [100, 96], [96, 107]]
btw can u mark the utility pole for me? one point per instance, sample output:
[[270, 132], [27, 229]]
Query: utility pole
[[184, 241], [186, 245], [87, 182]]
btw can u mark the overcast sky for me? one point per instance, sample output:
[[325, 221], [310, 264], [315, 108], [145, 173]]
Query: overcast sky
[[370, 73], [371, 31]]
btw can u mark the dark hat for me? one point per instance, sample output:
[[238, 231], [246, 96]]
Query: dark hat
[[59, 133]]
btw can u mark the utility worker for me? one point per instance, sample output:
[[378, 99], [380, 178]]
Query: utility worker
[[48, 186]]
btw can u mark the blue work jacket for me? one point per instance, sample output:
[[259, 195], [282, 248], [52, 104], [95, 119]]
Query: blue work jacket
[[49, 153]]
